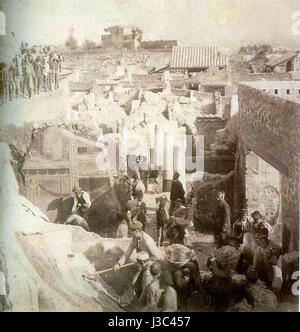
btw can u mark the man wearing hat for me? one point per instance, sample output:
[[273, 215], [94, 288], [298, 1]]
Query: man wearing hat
[[4, 86], [265, 258], [222, 229], [162, 218], [147, 252], [82, 202], [240, 227], [138, 209], [259, 225], [27, 70], [177, 192], [140, 241]]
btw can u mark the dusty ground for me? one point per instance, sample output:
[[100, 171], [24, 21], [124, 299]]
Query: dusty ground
[[203, 244], [38, 108]]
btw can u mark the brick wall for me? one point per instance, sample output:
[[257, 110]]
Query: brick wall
[[269, 127]]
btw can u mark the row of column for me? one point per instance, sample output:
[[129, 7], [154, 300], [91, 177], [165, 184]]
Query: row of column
[[166, 153]]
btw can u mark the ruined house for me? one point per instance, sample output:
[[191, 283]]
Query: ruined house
[[119, 37], [258, 64], [285, 89], [63, 160], [159, 44], [289, 62], [196, 58]]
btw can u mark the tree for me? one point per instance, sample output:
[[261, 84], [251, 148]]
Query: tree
[[266, 48], [71, 42], [138, 34], [88, 45]]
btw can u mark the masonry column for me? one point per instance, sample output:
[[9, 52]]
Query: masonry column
[[123, 150], [158, 148], [167, 162], [179, 157]]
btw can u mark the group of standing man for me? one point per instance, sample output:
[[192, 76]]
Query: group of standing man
[[31, 71]]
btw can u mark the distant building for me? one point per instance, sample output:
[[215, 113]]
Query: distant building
[[196, 58], [289, 62], [159, 44], [119, 37], [258, 63], [282, 49], [285, 89]]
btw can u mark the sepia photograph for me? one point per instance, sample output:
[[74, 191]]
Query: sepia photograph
[[149, 157]]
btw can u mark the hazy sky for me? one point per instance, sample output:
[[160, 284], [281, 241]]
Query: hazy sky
[[225, 22]]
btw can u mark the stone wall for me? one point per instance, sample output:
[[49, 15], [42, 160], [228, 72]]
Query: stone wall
[[208, 127], [262, 188], [269, 127]]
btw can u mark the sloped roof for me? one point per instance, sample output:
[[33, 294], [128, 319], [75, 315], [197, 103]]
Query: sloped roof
[[277, 61], [196, 56], [260, 56]]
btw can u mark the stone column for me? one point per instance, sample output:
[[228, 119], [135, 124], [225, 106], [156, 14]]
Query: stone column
[[122, 151], [179, 157], [167, 162], [159, 148]]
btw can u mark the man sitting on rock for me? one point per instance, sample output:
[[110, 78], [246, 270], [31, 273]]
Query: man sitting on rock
[[82, 202], [265, 258], [79, 214]]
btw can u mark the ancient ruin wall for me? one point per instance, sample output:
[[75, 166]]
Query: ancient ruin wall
[[269, 127]]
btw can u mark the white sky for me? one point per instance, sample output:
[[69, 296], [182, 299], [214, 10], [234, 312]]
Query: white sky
[[224, 22]]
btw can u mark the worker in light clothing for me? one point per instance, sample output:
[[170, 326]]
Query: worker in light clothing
[[140, 242], [56, 65], [27, 75], [82, 202], [147, 252], [4, 85], [19, 78], [46, 71], [11, 81]]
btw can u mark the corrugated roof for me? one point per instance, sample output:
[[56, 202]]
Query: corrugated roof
[[277, 61], [196, 56]]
